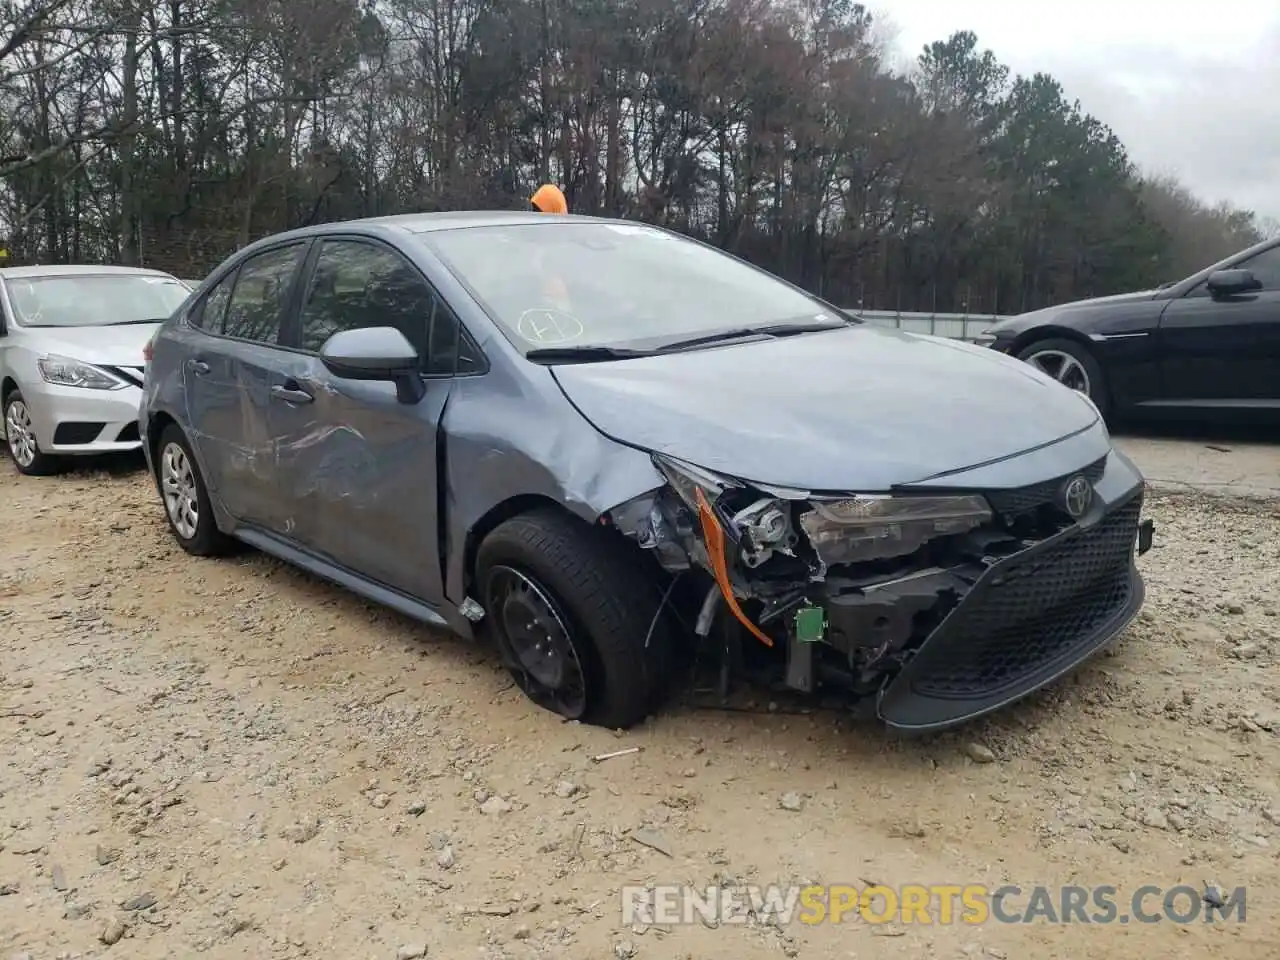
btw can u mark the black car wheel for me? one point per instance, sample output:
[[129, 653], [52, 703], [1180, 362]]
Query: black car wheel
[[1072, 365], [575, 617], [20, 437], [185, 497]]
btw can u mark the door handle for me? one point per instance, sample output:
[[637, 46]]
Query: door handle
[[290, 394], [199, 368]]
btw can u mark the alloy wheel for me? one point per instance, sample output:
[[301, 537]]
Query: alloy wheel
[[19, 433], [537, 642], [178, 485], [1064, 368]]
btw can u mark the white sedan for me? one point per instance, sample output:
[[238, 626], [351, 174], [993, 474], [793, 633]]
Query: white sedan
[[72, 341]]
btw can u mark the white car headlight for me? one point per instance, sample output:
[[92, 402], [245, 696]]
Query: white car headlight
[[66, 372]]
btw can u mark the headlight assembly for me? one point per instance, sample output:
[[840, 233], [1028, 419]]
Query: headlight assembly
[[66, 372], [876, 527]]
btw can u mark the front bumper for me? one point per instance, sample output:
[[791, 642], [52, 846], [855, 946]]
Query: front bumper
[[1027, 621], [75, 421]]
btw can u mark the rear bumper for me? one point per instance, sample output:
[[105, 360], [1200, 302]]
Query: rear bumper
[[75, 421], [1030, 619]]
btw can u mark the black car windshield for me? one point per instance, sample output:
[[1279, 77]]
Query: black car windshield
[[593, 284], [94, 300]]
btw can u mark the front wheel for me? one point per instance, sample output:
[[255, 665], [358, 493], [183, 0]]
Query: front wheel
[[1072, 365], [576, 618], [20, 437]]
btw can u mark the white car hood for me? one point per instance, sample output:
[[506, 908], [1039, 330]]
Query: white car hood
[[107, 346]]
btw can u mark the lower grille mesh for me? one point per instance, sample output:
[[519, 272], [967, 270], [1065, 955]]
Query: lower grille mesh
[[1034, 613]]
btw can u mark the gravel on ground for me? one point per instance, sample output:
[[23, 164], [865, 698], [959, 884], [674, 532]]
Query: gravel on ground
[[233, 759]]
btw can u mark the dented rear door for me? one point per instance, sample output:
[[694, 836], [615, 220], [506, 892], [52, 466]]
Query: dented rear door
[[233, 363]]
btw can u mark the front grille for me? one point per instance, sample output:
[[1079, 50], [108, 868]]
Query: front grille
[[1033, 613], [72, 432], [1023, 499]]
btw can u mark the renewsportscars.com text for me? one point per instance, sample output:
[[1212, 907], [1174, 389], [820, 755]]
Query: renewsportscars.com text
[[941, 904]]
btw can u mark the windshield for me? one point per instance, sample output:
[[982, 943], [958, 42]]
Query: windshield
[[571, 285], [94, 300]]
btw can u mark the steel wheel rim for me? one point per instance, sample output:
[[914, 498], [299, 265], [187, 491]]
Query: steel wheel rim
[[1064, 368], [17, 429], [536, 642], [178, 486]]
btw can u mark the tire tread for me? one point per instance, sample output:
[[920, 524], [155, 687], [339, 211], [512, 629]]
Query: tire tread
[[610, 595]]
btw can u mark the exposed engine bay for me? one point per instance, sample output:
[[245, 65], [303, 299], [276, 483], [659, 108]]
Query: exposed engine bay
[[841, 590]]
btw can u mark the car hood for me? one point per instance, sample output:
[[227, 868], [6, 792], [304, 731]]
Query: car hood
[[1062, 309], [865, 407], [110, 346]]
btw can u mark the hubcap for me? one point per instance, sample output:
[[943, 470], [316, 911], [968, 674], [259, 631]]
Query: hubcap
[[1064, 368], [537, 643], [17, 429], [178, 484]]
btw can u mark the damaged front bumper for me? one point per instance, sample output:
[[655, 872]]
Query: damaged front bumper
[[941, 606]]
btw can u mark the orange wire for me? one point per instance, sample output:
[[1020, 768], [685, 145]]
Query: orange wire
[[713, 535]]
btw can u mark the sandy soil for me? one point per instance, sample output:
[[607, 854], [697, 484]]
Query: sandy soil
[[229, 758]]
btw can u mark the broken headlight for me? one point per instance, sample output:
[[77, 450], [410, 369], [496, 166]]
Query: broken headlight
[[761, 525], [876, 527], [687, 480]]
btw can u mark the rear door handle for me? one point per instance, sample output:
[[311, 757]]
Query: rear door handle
[[199, 368], [290, 393]]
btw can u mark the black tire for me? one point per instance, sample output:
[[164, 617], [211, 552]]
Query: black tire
[[42, 464], [1098, 391], [206, 540], [606, 598]]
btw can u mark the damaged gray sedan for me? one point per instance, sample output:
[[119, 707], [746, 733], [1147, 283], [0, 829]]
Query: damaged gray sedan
[[609, 447]]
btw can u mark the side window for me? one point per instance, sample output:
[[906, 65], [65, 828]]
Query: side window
[[1266, 267], [209, 313], [261, 291], [357, 284]]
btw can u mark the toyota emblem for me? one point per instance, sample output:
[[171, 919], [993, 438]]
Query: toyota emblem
[[1076, 496]]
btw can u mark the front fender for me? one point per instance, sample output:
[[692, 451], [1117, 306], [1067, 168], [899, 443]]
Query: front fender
[[500, 447]]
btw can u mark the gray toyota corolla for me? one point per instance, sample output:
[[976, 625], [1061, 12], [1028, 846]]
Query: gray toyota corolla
[[607, 446]]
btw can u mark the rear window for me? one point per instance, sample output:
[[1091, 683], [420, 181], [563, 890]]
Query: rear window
[[94, 300]]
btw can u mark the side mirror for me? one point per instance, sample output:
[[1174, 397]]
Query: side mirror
[[376, 353], [1226, 283]]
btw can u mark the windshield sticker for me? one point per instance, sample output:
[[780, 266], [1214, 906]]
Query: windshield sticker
[[548, 327]]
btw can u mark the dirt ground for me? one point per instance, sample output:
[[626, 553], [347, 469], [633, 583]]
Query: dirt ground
[[232, 759]]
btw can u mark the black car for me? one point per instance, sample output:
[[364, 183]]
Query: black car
[[1206, 345]]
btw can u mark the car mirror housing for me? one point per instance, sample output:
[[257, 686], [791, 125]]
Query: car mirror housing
[[1226, 283], [376, 353]]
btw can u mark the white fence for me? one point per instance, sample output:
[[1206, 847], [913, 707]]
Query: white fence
[[957, 326]]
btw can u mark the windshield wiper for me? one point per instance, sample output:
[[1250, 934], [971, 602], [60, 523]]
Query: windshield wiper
[[585, 354], [764, 330], [130, 323]]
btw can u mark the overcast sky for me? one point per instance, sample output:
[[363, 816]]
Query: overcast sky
[[1192, 89]]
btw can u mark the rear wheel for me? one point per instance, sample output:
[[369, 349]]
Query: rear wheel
[[1072, 365], [20, 437], [576, 618], [186, 499]]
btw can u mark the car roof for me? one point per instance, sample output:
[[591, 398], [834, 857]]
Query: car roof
[[416, 223], [76, 270]]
